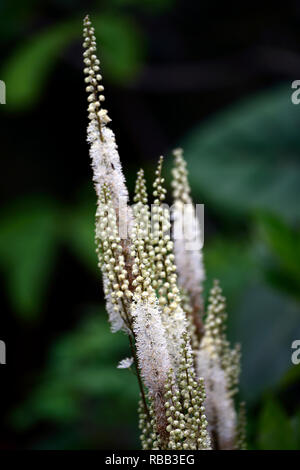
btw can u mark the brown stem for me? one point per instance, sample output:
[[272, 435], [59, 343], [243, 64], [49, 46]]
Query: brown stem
[[139, 377]]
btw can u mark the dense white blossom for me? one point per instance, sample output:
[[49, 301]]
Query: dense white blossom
[[175, 325], [151, 343], [107, 169]]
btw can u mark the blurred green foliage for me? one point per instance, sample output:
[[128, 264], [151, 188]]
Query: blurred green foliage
[[28, 242], [33, 61], [122, 46], [81, 389], [248, 157], [276, 429]]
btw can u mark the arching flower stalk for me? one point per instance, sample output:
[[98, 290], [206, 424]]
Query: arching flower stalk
[[153, 291]]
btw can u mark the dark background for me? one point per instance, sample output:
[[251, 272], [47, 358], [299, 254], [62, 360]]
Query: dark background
[[215, 78]]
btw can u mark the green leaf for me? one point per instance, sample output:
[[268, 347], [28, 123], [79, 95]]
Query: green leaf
[[248, 157], [121, 46], [27, 69], [283, 241], [265, 323], [28, 240], [232, 263], [275, 428]]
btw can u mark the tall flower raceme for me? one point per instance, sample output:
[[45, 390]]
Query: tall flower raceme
[[187, 373], [188, 248], [220, 367]]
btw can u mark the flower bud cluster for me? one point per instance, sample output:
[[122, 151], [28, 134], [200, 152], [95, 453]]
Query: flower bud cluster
[[111, 259], [185, 395], [93, 77], [187, 229], [174, 328], [141, 249], [164, 270], [149, 436], [164, 259], [241, 428], [191, 327], [215, 341], [180, 183], [219, 365]]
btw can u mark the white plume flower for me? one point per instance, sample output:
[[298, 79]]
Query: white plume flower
[[187, 235], [151, 343], [219, 406], [175, 326], [106, 161], [187, 249], [125, 363], [107, 169]]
